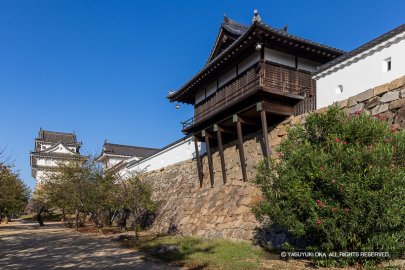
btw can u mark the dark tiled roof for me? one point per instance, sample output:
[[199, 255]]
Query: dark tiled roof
[[361, 49], [234, 27], [303, 40], [128, 150], [232, 30], [277, 32], [55, 137]]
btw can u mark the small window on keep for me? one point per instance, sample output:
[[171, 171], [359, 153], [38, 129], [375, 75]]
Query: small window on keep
[[387, 64]]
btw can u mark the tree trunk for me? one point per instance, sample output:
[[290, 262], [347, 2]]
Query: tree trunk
[[136, 227], [39, 216], [136, 239], [123, 221], [63, 217], [77, 219]]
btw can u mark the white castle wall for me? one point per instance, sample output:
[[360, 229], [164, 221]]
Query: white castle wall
[[361, 72]]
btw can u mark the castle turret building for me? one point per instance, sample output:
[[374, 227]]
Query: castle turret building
[[255, 77], [114, 157], [53, 149]]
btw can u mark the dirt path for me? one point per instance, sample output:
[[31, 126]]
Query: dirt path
[[28, 246]]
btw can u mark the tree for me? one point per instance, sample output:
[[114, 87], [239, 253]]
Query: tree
[[338, 184], [14, 194], [72, 188], [136, 196], [86, 190]]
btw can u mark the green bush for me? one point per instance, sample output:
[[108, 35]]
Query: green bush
[[339, 184]]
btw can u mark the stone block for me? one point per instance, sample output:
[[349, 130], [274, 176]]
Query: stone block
[[282, 131], [390, 96], [296, 120], [371, 103], [401, 115], [395, 84], [388, 116], [379, 109], [364, 95], [403, 93], [397, 104], [356, 108], [351, 102], [288, 120], [381, 89], [343, 103]]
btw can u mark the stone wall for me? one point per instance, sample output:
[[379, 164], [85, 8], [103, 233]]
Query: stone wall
[[224, 210]]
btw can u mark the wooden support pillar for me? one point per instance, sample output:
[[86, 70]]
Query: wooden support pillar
[[263, 117], [221, 151], [241, 149], [210, 165], [199, 163]]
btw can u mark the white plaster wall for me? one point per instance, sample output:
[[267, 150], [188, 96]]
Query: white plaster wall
[[227, 77], [200, 96], [41, 175], [44, 146], [248, 62], [364, 72], [211, 89], [111, 161], [62, 150], [51, 162], [306, 64], [180, 151], [279, 57]]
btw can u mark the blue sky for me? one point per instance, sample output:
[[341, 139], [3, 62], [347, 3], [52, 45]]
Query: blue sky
[[103, 68]]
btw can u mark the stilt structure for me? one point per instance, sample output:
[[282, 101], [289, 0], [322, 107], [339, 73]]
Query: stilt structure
[[255, 76]]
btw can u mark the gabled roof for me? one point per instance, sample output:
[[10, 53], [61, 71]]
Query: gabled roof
[[245, 40], [55, 137], [398, 30], [127, 150], [229, 31], [52, 149]]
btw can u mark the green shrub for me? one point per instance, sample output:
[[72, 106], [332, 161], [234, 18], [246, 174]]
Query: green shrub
[[339, 184]]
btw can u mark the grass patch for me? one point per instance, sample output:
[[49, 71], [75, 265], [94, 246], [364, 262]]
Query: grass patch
[[47, 216], [199, 253]]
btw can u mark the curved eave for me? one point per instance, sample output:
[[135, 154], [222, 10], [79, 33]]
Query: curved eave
[[241, 44], [106, 155], [211, 67], [77, 144], [59, 156]]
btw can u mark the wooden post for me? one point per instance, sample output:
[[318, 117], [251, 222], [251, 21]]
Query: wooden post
[[221, 154], [265, 133], [241, 149], [198, 158], [210, 166]]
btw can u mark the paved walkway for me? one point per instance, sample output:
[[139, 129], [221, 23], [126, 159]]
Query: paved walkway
[[28, 246]]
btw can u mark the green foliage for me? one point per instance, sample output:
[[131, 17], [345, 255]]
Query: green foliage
[[136, 195], [14, 194], [85, 190], [339, 183], [76, 188]]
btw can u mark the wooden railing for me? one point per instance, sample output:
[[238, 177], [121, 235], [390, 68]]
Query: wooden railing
[[288, 80], [271, 76], [306, 105], [226, 96]]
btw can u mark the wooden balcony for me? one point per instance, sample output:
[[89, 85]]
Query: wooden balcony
[[294, 85]]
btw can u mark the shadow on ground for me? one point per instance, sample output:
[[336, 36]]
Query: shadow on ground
[[28, 246]]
